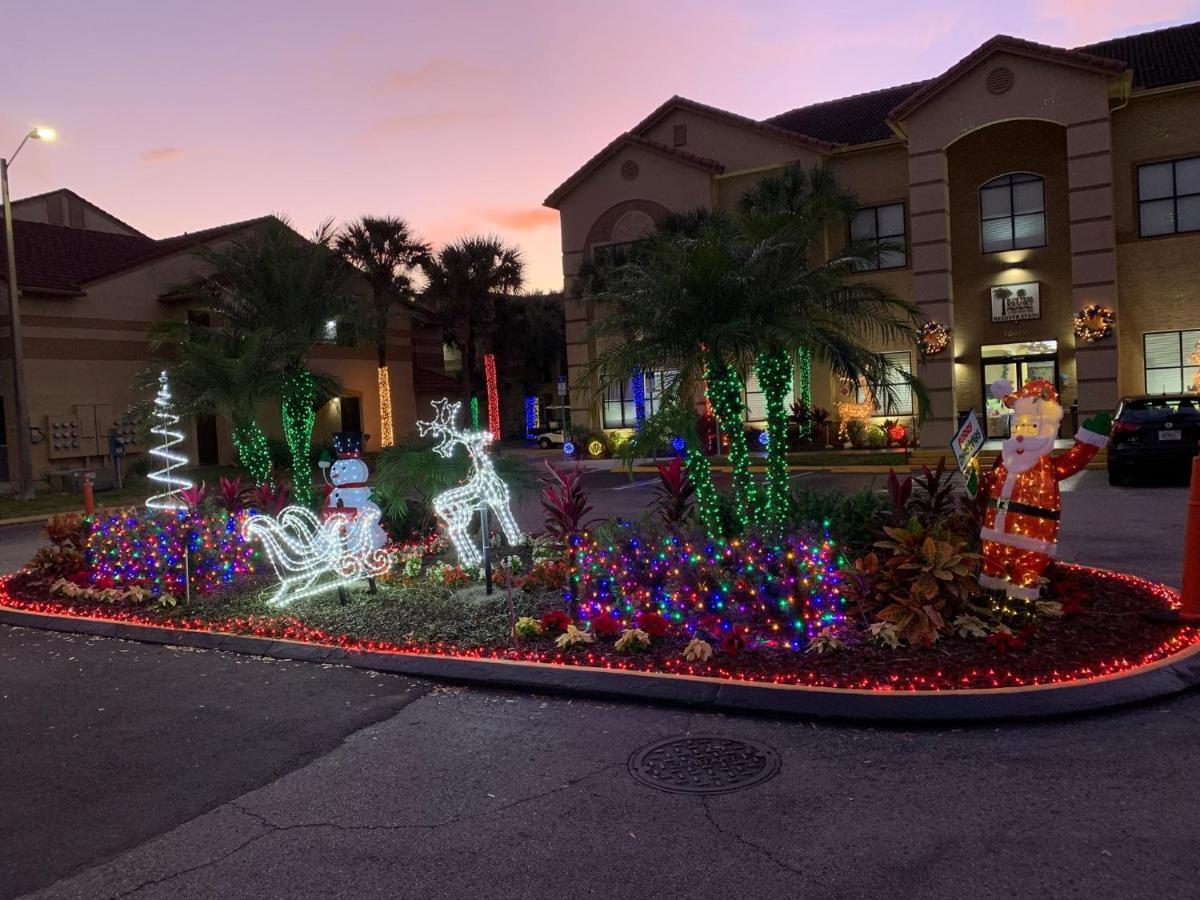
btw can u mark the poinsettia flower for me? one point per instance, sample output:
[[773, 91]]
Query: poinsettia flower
[[654, 624], [733, 644], [606, 624], [556, 620]]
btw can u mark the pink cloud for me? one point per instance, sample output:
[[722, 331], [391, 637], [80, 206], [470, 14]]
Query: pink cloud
[[160, 154], [436, 73], [522, 218]]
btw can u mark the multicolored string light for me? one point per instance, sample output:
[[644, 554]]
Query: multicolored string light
[[935, 680], [147, 550], [778, 593]]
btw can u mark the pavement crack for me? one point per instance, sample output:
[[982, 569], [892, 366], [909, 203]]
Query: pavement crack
[[758, 848]]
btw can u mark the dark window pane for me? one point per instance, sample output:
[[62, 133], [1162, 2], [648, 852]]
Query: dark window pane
[[1188, 209], [891, 220], [1157, 217], [1027, 197], [862, 224], [1187, 176], [995, 202]]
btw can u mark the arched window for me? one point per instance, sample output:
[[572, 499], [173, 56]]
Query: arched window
[[1012, 212]]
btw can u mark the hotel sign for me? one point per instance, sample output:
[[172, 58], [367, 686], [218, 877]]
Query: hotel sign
[[1014, 302]]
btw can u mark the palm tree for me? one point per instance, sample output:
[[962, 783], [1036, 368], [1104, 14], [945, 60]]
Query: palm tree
[[464, 278], [681, 303], [822, 309], [213, 372], [288, 291], [387, 253]]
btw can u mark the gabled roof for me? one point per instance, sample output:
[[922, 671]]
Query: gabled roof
[[624, 140], [1003, 43], [83, 200], [860, 119], [766, 128], [61, 259], [1158, 58]]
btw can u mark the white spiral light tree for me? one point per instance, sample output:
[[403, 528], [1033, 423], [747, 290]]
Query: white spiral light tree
[[165, 428]]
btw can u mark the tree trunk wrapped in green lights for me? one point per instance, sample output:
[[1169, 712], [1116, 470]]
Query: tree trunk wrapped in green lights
[[299, 395], [804, 376], [700, 474], [725, 393], [251, 446], [775, 377]]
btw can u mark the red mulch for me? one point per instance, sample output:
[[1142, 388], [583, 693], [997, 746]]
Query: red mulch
[[1104, 633]]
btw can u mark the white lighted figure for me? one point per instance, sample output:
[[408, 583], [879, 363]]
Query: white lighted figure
[[346, 489], [1020, 525], [165, 427], [457, 506], [304, 550]]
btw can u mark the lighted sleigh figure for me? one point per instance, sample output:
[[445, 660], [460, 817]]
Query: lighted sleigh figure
[[483, 490], [305, 550]]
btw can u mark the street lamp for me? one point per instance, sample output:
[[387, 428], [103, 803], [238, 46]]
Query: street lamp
[[24, 447]]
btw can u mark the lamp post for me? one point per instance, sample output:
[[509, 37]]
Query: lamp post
[[24, 447]]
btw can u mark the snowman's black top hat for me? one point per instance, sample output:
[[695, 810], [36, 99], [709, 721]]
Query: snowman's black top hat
[[349, 444]]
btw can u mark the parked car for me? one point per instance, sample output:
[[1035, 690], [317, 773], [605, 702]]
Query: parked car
[[1153, 432], [548, 437]]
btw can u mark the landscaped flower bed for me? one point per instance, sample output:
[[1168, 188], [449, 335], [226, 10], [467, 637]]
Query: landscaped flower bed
[[1104, 634]]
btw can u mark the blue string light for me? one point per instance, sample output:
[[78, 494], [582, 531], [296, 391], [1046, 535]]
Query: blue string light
[[531, 417], [637, 386]]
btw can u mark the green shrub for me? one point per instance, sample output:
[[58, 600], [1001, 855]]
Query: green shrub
[[874, 437], [854, 519]]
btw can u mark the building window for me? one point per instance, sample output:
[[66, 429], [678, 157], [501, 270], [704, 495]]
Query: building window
[[756, 400], [883, 227], [615, 254], [1012, 212], [1169, 197], [200, 318], [1171, 360], [900, 403], [619, 409], [680, 135]]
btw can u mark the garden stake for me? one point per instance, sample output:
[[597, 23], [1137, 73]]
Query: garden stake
[[512, 611]]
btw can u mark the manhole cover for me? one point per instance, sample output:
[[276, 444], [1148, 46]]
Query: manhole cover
[[703, 764]]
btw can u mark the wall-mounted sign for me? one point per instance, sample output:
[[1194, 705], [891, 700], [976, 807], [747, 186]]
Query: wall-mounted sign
[[1014, 302]]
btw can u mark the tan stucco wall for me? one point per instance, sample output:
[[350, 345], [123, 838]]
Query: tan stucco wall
[[733, 145], [1159, 276], [86, 351], [1027, 146]]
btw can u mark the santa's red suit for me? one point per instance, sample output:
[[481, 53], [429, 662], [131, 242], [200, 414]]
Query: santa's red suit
[[1020, 526]]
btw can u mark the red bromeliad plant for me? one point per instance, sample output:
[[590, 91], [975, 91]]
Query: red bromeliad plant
[[270, 500], [193, 497], [565, 501], [674, 494], [231, 494]]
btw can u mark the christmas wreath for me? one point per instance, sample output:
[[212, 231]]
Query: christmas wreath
[[1094, 322], [933, 338]]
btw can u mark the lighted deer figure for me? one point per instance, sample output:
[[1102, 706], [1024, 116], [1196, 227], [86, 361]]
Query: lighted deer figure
[[457, 506], [850, 409]]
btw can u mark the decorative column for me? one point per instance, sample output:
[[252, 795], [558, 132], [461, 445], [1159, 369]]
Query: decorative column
[[933, 289], [1093, 257]]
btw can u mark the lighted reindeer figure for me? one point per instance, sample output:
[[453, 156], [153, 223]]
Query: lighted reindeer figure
[[457, 506], [850, 409]]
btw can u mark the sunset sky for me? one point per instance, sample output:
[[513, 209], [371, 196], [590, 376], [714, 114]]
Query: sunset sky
[[460, 117]]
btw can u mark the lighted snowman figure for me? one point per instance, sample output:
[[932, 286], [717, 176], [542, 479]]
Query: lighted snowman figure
[[347, 491]]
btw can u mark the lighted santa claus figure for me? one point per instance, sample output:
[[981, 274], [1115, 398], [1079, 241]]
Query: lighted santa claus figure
[[346, 488], [1020, 526]]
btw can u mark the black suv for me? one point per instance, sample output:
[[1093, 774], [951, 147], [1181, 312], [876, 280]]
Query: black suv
[[1153, 432]]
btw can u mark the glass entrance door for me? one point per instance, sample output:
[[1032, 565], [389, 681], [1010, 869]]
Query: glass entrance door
[[1019, 369]]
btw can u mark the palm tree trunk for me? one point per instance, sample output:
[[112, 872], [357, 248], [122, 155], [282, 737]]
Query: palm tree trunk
[[700, 474], [774, 377], [251, 446], [299, 398], [725, 392], [467, 345], [387, 428]]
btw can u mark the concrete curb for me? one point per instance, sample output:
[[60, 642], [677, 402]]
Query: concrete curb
[[1154, 681]]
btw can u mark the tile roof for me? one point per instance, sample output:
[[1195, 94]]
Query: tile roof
[[58, 258], [765, 127], [1158, 58], [860, 119]]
